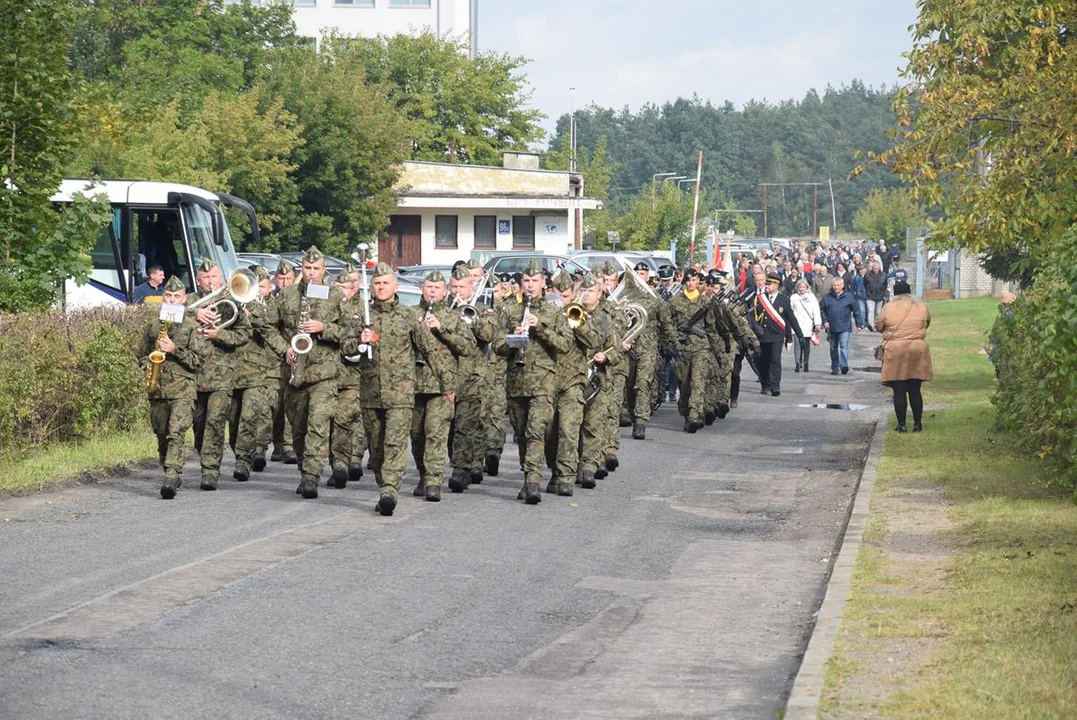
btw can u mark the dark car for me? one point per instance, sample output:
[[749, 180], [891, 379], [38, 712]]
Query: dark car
[[516, 262]]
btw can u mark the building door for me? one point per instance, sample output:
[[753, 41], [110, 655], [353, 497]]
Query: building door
[[402, 243]]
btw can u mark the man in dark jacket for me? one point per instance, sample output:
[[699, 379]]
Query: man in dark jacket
[[770, 318], [839, 313], [875, 283]]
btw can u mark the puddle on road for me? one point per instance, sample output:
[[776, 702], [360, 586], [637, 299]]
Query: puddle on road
[[870, 369], [835, 406]]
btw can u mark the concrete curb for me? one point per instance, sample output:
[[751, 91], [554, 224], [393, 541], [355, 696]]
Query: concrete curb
[[804, 698]]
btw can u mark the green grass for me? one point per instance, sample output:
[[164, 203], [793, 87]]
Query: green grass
[[1000, 629], [46, 467]]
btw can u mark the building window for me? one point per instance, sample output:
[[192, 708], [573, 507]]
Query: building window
[[445, 231], [353, 3], [409, 3], [305, 3], [523, 231], [486, 231]]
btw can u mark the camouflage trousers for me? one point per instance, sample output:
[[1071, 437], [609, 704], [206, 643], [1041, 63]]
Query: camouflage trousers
[[211, 410], [643, 386], [531, 419], [310, 409], [710, 392], [251, 422], [347, 444], [563, 439], [593, 430], [692, 379], [431, 418], [282, 427], [387, 439], [170, 421], [614, 403], [725, 370], [494, 407], [468, 445]]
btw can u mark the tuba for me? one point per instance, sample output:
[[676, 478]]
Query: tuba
[[629, 297], [241, 288]]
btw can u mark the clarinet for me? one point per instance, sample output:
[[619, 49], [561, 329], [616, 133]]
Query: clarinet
[[521, 354]]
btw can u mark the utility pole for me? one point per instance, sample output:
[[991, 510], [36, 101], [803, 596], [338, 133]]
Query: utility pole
[[572, 130]]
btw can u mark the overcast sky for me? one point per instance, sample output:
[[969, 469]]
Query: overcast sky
[[631, 52]]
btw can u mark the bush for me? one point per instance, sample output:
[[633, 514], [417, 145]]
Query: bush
[[1036, 357], [69, 376]]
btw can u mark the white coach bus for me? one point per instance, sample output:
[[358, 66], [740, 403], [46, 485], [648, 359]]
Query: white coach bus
[[153, 223]]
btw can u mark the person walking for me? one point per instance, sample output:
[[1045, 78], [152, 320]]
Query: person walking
[[875, 285], [905, 354], [839, 313], [808, 323], [859, 290]]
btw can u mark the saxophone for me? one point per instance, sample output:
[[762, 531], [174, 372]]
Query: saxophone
[[157, 359], [302, 343]]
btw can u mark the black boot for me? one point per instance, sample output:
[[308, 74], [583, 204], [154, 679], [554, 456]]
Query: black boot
[[901, 428], [492, 462], [625, 420], [339, 478], [565, 489], [208, 483], [600, 473], [458, 483], [587, 482], [723, 410], [551, 487], [259, 463], [612, 463], [309, 489], [277, 455], [917, 427], [386, 504], [639, 431], [355, 471], [290, 458], [433, 493], [708, 418], [168, 489], [420, 489], [532, 496], [241, 474], [475, 475]]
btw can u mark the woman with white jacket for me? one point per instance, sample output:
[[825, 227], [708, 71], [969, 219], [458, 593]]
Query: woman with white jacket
[[807, 322]]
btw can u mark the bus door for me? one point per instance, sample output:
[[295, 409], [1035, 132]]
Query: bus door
[[157, 234]]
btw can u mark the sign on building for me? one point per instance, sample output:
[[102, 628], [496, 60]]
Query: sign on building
[[504, 227]]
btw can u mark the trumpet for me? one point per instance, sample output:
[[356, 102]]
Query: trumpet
[[576, 315], [242, 288]]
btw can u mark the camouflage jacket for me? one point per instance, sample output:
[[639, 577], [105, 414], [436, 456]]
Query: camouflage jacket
[[536, 376], [618, 325], [744, 335], [323, 360], [659, 328], [389, 376], [351, 319], [257, 364], [180, 368], [572, 366], [454, 340], [681, 310], [474, 369], [219, 370], [732, 332], [608, 321]]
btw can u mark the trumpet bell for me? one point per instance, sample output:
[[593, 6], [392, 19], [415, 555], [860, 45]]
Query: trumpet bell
[[576, 315], [243, 285]]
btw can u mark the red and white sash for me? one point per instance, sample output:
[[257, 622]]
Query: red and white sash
[[778, 319]]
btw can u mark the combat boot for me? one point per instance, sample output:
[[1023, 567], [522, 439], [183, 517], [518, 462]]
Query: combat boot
[[386, 504], [433, 493], [420, 489], [600, 473], [708, 418], [309, 489], [290, 458], [551, 487], [241, 473], [565, 489], [612, 463], [532, 496], [458, 482], [492, 462], [169, 487], [624, 420], [723, 410], [277, 455], [355, 471], [587, 482], [259, 463], [208, 483], [339, 478], [475, 474], [639, 431]]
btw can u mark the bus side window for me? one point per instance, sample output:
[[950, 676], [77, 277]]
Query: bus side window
[[103, 254]]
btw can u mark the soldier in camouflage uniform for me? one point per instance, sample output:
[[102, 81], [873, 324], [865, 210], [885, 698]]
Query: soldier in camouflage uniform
[[314, 308], [494, 398], [616, 377], [605, 319], [735, 334], [388, 380], [531, 378], [563, 440], [643, 378], [172, 402], [217, 376], [255, 393], [347, 443], [691, 373], [435, 393], [747, 346], [714, 332], [283, 450], [468, 431]]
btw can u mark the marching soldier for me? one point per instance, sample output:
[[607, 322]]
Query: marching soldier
[[735, 335], [532, 374], [282, 428], [645, 373], [311, 309], [386, 353], [616, 378], [255, 393], [216, 378], [494, 402], [608, 353], [435, 391], [172, 392], [347, 443], [691, 371]]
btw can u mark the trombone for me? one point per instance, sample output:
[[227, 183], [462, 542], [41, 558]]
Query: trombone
[[241, 287]]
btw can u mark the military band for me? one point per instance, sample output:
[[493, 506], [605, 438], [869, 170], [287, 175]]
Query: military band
[[328, 372]]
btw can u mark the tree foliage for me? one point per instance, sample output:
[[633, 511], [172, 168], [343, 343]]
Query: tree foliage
[[886, 214]]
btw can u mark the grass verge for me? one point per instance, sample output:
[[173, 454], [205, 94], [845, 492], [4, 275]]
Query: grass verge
[[964, 598], [88, 458]]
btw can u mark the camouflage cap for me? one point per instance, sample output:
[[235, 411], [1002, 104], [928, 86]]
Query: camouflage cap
[[434, 276], [313, 255], [588, 281], [461, 273], [382, 269], [285, 268], [347, 271], [174, 284], [533, 268], [473, 264], [608, 268], [564, 282], [206, 265], [259, 272]]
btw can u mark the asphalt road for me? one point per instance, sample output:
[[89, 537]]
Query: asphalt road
[[684, 586]]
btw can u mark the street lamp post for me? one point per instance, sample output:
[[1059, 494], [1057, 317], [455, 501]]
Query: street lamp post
[[654, 178], [572, 130]]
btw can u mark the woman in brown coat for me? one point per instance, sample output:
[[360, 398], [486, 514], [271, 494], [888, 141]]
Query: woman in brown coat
[[903, 323]]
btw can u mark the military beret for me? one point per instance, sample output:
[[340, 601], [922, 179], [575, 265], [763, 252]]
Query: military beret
[[691, 273], [504, 277], [588, 281], [459, 264], [259, 272], [434, 276], [313, 255], [174, 284], [665, 272], [207, 265], [473, 263], [517, 277], [285, 268], [772, 278], [642, 266], [563, 282], [711, 280], [382, 269], [533, 268], [460, 273]]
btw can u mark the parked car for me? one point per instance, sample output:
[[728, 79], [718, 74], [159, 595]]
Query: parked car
[[416, 273], [516, 262], [332, 264], [594, 259], [267, 260]]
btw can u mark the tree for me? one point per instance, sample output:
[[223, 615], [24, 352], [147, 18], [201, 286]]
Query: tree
[[38, 247], [462, 110], [987, 127], [886, 214]]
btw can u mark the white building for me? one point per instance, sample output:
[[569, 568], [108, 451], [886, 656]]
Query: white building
[[447, 212]]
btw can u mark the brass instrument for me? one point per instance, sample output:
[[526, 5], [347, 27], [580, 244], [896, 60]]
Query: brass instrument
[[302, 343], [629, 296], [468, 311], [576, 314], [241, 287], [157, 359]]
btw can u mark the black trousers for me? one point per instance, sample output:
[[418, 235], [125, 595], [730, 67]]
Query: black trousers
[[770, 365], [907, 395], [801, 350], [734, 378]]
